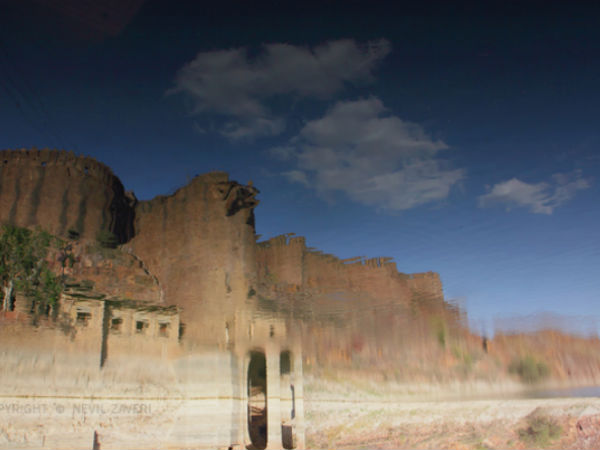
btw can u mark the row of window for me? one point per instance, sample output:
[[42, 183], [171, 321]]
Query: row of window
[[116, 324]]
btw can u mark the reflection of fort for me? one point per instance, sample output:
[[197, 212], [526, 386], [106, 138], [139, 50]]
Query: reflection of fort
[[191, 324]]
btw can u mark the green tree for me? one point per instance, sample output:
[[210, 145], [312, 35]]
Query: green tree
[[23, 267]]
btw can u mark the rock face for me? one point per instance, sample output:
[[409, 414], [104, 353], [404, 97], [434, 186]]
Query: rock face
[[60, 192], [112, 272]]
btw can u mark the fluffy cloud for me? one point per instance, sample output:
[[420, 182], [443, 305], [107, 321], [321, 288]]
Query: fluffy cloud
[[540, 198], [375, 158], [236, 85]]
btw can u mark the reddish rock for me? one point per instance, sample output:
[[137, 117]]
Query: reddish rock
[[589, 427]]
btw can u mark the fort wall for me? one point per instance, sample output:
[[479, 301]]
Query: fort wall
[[358, 312], [426, 286], [287, 264], [200, 243], [281, 260], [61, 191]]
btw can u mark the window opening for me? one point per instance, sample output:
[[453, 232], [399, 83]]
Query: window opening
[[141, 326], [116, 325], [83, 318]]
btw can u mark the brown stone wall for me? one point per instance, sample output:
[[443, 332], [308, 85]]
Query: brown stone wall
[[426, 285], [359, 313], [280, 260], [375, 277], [58, 191], [200, 243], [286, 264]]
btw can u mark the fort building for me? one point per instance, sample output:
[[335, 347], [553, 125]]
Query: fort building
[[191, 334]]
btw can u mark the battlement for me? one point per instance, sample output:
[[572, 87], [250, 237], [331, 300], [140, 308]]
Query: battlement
[[374, 263], [285, 263], [284, 240], [289, 240]]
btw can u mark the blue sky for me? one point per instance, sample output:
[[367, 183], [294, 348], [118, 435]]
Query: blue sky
[[457, 138]]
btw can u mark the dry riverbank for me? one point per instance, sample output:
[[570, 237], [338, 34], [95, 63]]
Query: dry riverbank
[[386, 422], [475, 424]]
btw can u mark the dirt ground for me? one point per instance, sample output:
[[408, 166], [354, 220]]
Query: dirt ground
[[506, 423]]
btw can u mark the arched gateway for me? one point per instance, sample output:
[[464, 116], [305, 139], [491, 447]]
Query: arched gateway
[[257, 400]]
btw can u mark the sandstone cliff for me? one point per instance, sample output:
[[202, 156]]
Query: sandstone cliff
[[60, 191]]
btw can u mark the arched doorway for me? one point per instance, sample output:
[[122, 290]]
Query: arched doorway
[[257, 400], [288, 399]]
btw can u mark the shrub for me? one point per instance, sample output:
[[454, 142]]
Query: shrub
[[529, 369], [540, 431], [440, 331], [441, 337]]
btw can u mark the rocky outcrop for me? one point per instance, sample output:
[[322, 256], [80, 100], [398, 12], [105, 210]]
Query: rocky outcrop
[[60, 191]]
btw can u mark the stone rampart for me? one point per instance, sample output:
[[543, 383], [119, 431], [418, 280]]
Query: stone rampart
[[287, 264], [281, 260], [426, 286]]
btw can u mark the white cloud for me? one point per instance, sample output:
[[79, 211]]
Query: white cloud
[[540, 198], [236, 85], [283, 153], [375, 158], [567, 185], [252, 127], [297, 176]]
